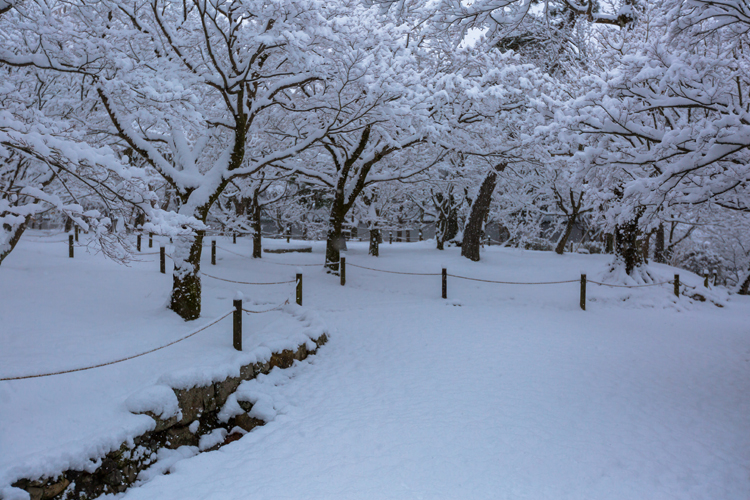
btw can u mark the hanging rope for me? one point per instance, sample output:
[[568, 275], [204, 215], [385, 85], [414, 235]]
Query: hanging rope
[[276, 308], [630, 286], [514, 282], [247, 282], [392, 272], [123, 359]]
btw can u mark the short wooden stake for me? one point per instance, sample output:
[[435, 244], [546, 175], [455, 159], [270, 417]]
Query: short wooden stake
[[677, 285], [299, 289], [162, 260], [342, 271], [390, 237], [70, 246], [237, 324], [234, 238], [138, 242], [445, 283], [150, 240], [288, 233], [213, 252], [583, 292], [420, 234]]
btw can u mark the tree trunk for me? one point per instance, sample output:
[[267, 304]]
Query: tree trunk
[[15, 235], [479, 210], [374, 242], [745, 286], [569, 225], [626, 245], [335, 241], [646, 247], [186, 282], [257, 229], [609, 243], [659, 245], [446, 227]]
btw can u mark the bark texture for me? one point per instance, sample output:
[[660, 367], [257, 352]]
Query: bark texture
[[479, 210]]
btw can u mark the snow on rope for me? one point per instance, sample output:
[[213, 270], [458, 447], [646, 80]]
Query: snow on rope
[[212, 323]]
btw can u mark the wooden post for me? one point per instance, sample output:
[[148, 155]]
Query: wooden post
[[237, 323], [138, 242], [583, 292], [213, 252], [390, 237], [299, 289], [70, 246], [677, 285], [234, 238], [162, 261], [150, 240], [445, 283], [75, 228], [420, 234], [342, 271], [288, 232]]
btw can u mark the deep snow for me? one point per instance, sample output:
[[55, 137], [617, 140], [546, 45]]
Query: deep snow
[[502, 391]]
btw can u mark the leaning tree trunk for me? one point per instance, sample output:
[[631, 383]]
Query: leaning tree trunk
[[627, 248], [745, 286], [186, 281], [479, 210], [374, 242], [15, 231], [569, 225], [257, 229]]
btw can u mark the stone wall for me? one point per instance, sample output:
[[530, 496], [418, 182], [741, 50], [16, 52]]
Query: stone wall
[[119, 469]]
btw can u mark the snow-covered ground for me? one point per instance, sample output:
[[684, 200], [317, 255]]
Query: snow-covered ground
[[501, 391]]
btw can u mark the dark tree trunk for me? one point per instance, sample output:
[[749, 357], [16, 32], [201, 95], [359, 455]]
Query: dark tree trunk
[[335, 241], [659, 245], [16, 230], [627, 248], [68, 224], [569, 225], [479, 210], [646, 247], [257, 229], [446, 227], [374, 242], [745, 286], [186, 282], [609, 243]]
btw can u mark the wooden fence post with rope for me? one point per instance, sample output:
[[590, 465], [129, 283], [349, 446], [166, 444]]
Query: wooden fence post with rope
[[162, 260], [213, 251], [70, 246], [583, 292], [445, 283], [237, 322], [299, 289], [342, 271]]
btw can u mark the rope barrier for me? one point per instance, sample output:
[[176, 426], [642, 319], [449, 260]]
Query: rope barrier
[[269, 261], [276, 308], [123, 359], [392, 272], [247, 282], [514, 282], [630, 286]]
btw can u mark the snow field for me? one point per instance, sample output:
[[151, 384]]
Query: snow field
[[499, 392]]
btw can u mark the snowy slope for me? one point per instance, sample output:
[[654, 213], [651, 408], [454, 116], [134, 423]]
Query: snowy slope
[[502, 391]]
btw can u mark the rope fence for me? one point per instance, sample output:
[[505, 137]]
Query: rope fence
[[195, 332], [445, 275]]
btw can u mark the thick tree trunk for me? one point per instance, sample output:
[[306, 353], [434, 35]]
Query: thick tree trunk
[[479, 210], [446, 227], [569, 225], [659, 245], [609, 243], [646, 247], [627, 248], [374, 242], [257, 229], [335, 241], [186, 282], [15, 230]]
